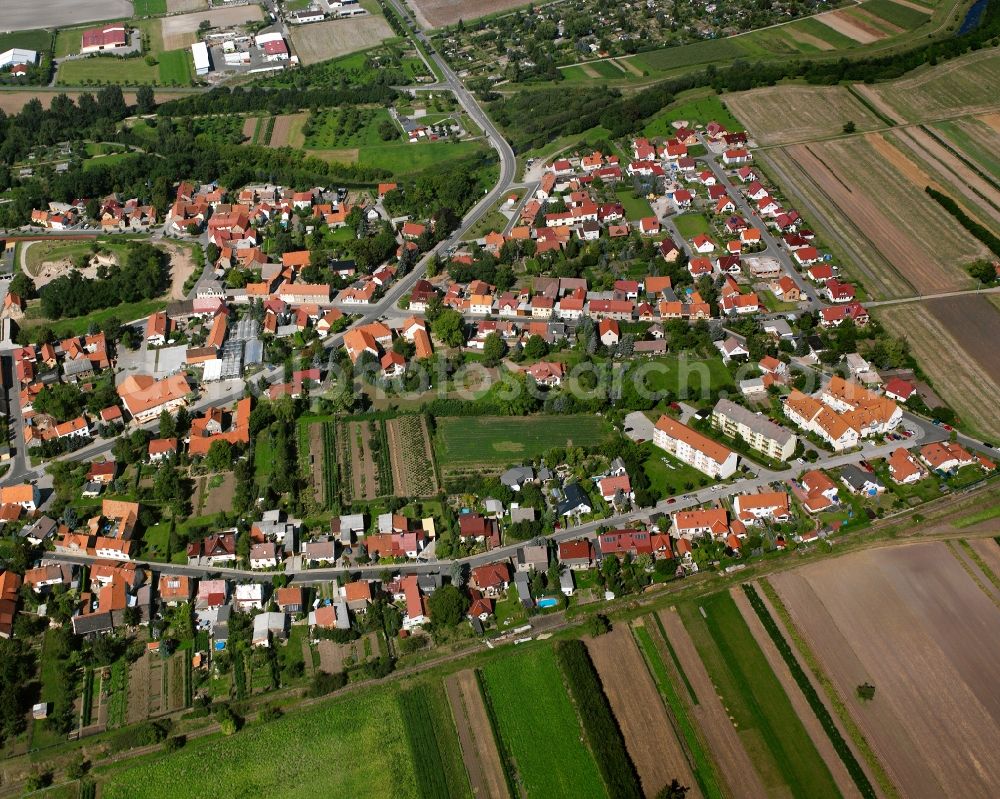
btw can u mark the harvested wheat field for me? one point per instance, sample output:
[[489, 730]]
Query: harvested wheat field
[[968, 379], [438, 13], [850, 27], [637, 706], [858, 186], [475, 735], [910, 621], [951, 175], [734, 764], [789, 114], [182, 30], [322, 41], [965, 85]]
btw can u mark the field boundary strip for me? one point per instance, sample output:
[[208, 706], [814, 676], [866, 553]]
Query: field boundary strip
[[807, 654], [854, 769]]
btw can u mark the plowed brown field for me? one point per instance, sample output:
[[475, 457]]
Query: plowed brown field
[[637, 706], [437, 13], [910, 621], [479, 749], [727, 749]]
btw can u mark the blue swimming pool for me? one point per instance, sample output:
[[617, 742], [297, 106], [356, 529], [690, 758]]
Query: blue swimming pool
[[547, 602]]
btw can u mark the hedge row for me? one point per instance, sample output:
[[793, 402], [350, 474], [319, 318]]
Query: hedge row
[[981, 232], [825, 719], [599, 725]]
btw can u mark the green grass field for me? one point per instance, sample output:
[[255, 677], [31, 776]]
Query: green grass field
[[175, 67], [685, 377], [903, 16], [696, 110], [355, 746], [498, 440], [690, 55], [692, 224], [404, 158], [540, 728], [969, 136], [673, 479], [147, 8], [772, 733], [38, 40], [635, 207], [437, 756]]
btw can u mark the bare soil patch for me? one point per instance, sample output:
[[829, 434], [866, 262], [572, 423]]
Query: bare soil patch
[[960, 379], [249, 126], [727, 749], [787, 114], [993, 120], [873, 23], [220, 498], [637, 706], [138, 690], [322, 41], [364, 479], [851, 28], [989, 552], [976, 324], [438, 13], [316, 456], [815, 730], [910, 621], [47, 271], [808, 38], [17, 15], [182, 266], [914, 6], [479, 749], [284, 127], [181, 31]]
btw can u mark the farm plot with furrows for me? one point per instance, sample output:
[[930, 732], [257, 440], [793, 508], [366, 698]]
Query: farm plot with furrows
[[476, 736], [725, 741], [965, 85], [911, 622], [649, 737], [331, 493], [788, 114], [770, 728], [866, 200], [412, 457], [538, 727], [434, 745], [976, 139], [353, 746], [948, 173], [959, 326], [364, 469]]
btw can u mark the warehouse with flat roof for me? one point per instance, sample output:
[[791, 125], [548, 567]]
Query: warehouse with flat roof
[[202, 63]]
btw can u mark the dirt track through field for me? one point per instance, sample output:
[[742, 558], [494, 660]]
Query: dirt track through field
[[725, 745], [911, 622], [805, 713], [635, 700], [479, 749]]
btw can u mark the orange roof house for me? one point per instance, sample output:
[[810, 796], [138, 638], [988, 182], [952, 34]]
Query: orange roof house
[[145, 397]]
